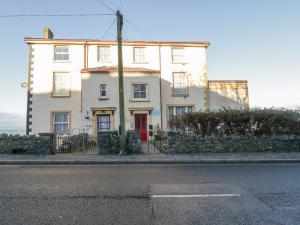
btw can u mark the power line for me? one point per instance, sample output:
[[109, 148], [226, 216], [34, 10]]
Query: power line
[[139, 29], [106, 6], [108, 29], [55, 15]]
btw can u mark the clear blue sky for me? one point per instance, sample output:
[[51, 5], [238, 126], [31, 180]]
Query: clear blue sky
[[257, 40]]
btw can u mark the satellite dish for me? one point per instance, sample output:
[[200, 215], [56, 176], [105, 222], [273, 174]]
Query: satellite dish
[[24, 84]]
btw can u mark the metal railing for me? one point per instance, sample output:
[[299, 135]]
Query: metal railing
[[77, 144]]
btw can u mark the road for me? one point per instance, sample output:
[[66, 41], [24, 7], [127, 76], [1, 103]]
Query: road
[[150, 194]]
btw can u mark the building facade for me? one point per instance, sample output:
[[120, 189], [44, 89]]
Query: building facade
[[73, 84]]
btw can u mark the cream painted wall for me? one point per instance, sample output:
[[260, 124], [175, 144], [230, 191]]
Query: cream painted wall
[[42, 103], [44, 66], [91, 93], [235, 98], [194, 66]]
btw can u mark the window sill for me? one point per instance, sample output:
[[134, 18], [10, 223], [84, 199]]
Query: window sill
[[57, 96], [139, 100], [104, 62], [61, 61], [140, 62], [103, 98], [180, 95], [183, 63]]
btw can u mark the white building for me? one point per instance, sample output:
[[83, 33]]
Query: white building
[[73, 84]]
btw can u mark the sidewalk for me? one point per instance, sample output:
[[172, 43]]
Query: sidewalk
[[293, 157]]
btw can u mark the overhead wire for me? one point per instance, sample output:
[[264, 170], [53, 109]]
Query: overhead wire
[[108, 29], [106, 6], [55, 15]]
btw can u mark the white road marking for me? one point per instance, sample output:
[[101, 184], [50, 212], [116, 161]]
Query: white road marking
[[196, 196]]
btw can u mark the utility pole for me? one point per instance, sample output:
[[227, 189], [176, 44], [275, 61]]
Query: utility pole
[[121, 86]]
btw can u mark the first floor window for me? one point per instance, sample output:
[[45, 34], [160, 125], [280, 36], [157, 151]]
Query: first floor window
[[61, 53], [103, 123], [180, 84], [139, 55], [103, 91], [103, 54], [61, 84], [60, 123], [139, 91], [177, 55], [179, 110]]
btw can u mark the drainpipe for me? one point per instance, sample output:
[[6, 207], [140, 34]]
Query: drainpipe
[[160, 89]]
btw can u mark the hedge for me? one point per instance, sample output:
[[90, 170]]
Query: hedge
[[257, 122]]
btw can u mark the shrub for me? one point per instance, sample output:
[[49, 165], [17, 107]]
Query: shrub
[[228, 121]]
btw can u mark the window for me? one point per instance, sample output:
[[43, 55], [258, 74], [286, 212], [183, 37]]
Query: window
[[60, 123], [139, 91], [61, 85], [103, 54], [179, 110], [103, 92], [61, 53], [139, 55], [180, 84], [177, 55], [103, 123]]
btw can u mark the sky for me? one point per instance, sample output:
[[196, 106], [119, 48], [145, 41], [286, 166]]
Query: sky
[[255, 40]]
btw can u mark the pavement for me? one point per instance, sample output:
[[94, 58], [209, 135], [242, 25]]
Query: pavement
[[67, 158], [154, 194]]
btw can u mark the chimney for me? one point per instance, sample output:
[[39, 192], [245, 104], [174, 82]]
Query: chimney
[[47, 33]]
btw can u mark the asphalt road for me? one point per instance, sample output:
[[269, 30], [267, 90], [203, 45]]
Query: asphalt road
[[150, 194]]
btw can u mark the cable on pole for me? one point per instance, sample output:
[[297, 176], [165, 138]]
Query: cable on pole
[[106, 6], [108, 29], [55, 15]]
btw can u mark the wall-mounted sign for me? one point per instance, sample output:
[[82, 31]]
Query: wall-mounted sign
[[155, 112]]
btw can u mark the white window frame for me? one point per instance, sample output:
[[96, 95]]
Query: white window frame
[[139, 58], [177, 58], [105, 58], [178, 85], [187, 109], [61, 53], [104, 86], [55, 92], [54, 114], [146, 90]]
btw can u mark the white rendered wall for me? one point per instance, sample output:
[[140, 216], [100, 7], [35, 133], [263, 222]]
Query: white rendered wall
[[43, 104]]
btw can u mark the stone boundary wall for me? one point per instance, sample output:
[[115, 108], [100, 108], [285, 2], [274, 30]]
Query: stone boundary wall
[[194, 144], [17, 144]]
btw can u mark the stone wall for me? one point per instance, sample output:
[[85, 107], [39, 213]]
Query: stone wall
[[193, 144], [109, 142], [17, 144]]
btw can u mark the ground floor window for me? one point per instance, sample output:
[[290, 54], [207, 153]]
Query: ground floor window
[[103, 123], [60, 122], [179, 110]]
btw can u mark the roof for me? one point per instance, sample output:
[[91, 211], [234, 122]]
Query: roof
[[31, 40], [111, 69]]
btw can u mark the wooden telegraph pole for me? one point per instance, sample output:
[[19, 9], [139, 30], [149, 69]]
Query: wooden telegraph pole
[[121, 86]]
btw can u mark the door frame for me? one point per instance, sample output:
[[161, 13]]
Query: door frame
[[147, 118], [102, 112]]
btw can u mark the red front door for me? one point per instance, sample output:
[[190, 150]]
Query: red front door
[[140, 121]]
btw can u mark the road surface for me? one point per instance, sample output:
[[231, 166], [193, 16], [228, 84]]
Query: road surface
[[150, 194]]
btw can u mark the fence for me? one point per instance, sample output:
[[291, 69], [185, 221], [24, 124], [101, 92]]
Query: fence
[[109, 143], [77, 144]]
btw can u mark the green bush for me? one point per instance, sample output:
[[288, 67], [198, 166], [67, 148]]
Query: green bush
[[257, 122]]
